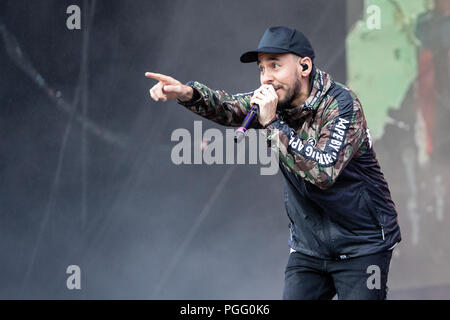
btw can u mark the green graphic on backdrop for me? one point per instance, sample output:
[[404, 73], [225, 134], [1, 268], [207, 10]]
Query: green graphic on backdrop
[[382, 62]]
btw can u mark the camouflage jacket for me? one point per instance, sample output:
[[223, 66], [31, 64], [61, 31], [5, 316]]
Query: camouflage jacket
[[336, 197]]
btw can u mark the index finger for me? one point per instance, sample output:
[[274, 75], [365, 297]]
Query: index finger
[[267, 86], [270, 89], [158, 76]]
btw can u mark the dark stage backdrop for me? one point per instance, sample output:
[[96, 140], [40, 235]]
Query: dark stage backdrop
[[96, 187]]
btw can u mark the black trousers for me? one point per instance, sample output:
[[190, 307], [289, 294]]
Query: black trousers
[[360, 278]]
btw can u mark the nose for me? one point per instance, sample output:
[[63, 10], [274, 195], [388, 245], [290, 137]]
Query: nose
[[267, 78]]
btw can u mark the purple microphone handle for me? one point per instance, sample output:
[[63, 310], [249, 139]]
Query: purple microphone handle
[[240, 132]]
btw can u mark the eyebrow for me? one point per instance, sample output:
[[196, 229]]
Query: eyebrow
[[269, 59]]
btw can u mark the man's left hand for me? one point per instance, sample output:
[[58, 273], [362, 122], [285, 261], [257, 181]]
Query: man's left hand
[[266, 98]]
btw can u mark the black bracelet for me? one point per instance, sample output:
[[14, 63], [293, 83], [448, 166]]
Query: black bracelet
[[270, 122]]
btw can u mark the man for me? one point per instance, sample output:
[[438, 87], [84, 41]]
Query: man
[[343, 223]]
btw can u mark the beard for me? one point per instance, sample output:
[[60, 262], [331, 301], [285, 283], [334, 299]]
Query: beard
[[291, 95]]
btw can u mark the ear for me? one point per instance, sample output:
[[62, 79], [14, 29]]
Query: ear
[[305, 66]]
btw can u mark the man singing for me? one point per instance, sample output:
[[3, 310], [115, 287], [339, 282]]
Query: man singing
[[343, 222]]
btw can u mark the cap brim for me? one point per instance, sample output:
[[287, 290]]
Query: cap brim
[[252, 56]]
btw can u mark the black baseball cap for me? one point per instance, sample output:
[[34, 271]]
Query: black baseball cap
[[281, 40]]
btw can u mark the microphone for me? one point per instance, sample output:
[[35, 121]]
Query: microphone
[[239, 134]]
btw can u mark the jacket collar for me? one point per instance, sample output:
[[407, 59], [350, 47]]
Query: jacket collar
[[319, 85]]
